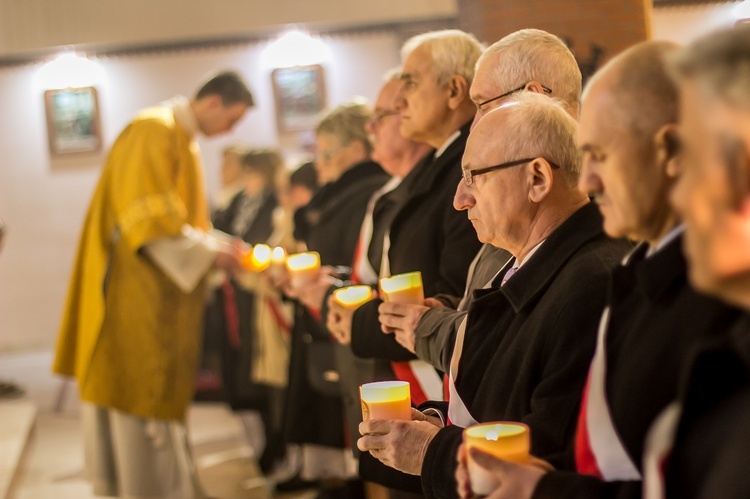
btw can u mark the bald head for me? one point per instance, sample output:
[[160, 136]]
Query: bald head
[[519, 167], [644, 96], [531, 125]]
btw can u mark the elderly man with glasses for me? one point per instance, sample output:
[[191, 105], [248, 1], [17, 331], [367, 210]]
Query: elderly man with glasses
[[529, 60], [525, 349]]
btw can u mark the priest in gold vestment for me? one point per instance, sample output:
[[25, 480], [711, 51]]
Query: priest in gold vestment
[[131, 330]]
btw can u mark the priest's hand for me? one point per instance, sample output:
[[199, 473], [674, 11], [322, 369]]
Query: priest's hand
[[399, 444], [402, 320], [516, 480], [339, 321], [229, 255]]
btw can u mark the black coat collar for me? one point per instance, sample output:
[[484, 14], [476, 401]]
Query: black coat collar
[[534, 277], [654, 275], [432, 170]]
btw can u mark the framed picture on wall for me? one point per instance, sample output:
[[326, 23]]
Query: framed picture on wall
[[72, 120], [300, 96]]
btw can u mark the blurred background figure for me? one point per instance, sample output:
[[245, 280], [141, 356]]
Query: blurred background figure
[[230, 176], [130, 332], [245, 315], [328, 224]]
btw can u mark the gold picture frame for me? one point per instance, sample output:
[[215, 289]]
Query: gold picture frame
[[73, 120], [300, 96]]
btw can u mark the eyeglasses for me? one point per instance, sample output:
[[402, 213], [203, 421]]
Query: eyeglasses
[[469, 175], [378, 117], [327, 155], [479, 106]]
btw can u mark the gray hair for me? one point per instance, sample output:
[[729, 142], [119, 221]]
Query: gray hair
[[454, 52], [539, 127], [347, 123], [720, 64], [533, 54]]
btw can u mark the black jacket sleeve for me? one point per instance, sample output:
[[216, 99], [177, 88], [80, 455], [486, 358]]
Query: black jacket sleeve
[[369, 342], [439, 466]]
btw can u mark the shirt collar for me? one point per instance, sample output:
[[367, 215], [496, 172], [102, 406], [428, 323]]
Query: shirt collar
[[183, 113], [447, 143], [671, 235]]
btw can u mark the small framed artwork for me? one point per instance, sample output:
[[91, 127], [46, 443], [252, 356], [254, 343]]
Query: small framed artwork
[[300, 96], [73, 120]]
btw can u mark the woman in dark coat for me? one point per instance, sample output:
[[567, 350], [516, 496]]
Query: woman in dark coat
[[330, 225]]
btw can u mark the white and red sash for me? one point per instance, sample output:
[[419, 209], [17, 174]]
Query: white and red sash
[[659, 443], [362, 271], [598, 448], [458, 413]]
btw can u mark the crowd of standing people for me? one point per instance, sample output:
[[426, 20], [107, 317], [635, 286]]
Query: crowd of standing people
[[584, 251]]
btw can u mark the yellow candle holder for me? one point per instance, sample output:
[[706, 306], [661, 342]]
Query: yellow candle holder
[[303, 268], [403, 288], [257, 259], [505, 440], [353, 297], [385, 400]]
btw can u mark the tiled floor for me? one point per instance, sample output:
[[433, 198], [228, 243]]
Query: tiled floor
[[52, 463]]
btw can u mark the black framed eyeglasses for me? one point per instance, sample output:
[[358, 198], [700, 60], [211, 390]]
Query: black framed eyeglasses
[[469, 175], [510, 92]]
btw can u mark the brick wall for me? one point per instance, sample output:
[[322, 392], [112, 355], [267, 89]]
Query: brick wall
[[594, 29]]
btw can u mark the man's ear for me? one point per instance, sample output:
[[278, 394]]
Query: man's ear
[[536, 87], [540, 177], [668, 149], [458, 91]]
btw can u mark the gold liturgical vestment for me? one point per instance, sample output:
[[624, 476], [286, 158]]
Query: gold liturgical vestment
[[129, 335]]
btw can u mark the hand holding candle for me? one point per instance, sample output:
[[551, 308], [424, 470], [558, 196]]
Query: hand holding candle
[[386, 400], [403, 288], [353, 297], [302, 268], [507, 441], [257, 259]]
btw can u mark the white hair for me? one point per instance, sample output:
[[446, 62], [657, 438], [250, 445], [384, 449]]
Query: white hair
[[535, 55], [540, 127], [454, 52]]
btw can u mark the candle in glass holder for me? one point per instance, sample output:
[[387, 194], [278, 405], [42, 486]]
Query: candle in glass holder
[[403, 288], [258, 258], [302, 267], [385, 400], [353, 297], [505, 440]]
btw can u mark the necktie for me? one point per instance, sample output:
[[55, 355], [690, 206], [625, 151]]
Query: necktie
[[508, 275]]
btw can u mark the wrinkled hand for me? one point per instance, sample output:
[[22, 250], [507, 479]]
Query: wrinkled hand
[[517, 480], [399, 444], [339, 322], [401, 320]]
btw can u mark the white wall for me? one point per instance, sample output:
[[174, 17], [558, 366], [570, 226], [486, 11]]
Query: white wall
[[686, 23], [43, 201], [32, 25]]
